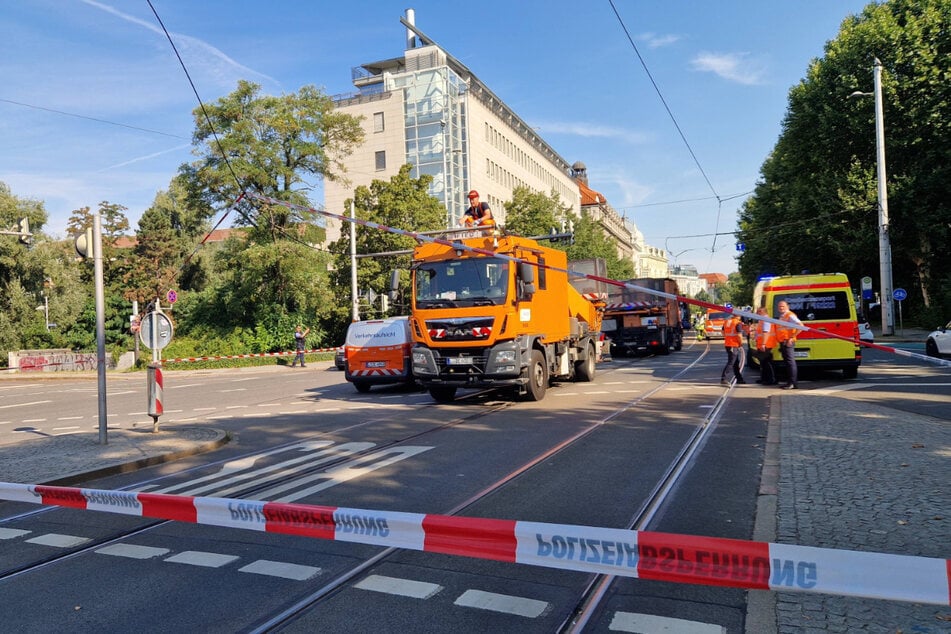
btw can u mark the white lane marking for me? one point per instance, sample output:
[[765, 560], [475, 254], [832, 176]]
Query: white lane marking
[[12, 533], [138, 414], [399, 587], [132, 551], [205, 409], [292, 412], [199, 558], [269, 404], [173, 411], [219, 416], [57, 540], [70, 418], [6, 422], [597, 392], [118, 393], [282, 569], [34, 420], [630, 622], [236, 407], [565, 394], [237, 389], [59, 431], [518, 606], [175, 387], [24, 404]]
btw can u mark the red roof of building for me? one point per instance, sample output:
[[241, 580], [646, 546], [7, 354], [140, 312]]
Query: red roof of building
[[589, 196], [714, 278]]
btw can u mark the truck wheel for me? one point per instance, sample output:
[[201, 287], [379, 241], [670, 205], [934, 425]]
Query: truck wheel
[[850, 372], [584, 369], [678, 342], [537, 377], [363, 388], [664, 347], [442, 394]]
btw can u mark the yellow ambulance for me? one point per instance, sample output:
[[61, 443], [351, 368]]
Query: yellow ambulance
[[823, 301]]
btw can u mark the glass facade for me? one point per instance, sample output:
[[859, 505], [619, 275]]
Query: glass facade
[[435, 121]]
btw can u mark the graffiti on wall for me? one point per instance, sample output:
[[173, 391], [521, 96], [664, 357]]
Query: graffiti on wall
[[53, 361]]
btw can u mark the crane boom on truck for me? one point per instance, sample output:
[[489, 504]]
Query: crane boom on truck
[[637, 321], [498, 316]]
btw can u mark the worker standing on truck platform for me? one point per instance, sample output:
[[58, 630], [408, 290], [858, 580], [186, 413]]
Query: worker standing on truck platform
[[478, 214], [733, 343]]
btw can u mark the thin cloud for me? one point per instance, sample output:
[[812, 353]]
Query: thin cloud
[[202, 49], [654, 40], [591, 130], [737, 67], [146, 157]]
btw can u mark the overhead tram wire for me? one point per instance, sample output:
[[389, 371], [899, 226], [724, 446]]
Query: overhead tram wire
[[674, 120]]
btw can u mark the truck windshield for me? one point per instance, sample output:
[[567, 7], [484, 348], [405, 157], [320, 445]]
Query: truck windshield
[[467, 282]]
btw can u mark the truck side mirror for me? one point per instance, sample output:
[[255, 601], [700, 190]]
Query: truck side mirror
[[394, 285], [526, 277]]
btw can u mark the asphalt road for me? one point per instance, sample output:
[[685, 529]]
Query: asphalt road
[[306, 436]]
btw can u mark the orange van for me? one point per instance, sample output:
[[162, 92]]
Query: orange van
[[377, 352], [713, 325]]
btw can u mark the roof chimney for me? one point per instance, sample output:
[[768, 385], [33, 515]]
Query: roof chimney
[[410, 36]]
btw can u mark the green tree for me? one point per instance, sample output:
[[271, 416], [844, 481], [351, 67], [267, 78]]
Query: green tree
[[816, 205], [403, 202]]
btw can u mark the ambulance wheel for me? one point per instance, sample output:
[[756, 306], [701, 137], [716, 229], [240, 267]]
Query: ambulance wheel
[[584, 369], [537, 376], [363, 388], [442, 394]]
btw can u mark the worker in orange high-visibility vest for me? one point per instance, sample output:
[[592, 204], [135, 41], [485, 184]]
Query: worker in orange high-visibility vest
[[733, 343], [786, 338], [765, 340]]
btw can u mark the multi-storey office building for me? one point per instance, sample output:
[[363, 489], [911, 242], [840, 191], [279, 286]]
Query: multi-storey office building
[[427, 109]]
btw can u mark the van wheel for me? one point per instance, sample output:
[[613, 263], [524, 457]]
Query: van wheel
[[584, 369], [363, 388], [850, 372], [442, 394], [537, 377]]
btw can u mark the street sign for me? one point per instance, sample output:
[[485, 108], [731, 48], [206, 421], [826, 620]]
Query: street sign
[[741, 246], [899, 294], [162, 323], [866, 283]]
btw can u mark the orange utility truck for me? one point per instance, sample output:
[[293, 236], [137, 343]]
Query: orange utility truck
[[638, 321], [485, 320]]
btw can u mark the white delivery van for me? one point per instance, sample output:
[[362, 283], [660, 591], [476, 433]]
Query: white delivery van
[[377, 352]]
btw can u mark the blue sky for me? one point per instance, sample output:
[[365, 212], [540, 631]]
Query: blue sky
[[95, 106]]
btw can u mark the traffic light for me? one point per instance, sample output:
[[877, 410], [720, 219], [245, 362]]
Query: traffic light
[[83, 244], [24, 229]]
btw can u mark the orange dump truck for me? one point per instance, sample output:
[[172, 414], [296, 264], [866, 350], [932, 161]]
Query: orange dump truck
[[481, 320]]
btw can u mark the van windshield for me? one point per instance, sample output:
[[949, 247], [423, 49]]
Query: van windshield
[[467, 282], [817, 306]]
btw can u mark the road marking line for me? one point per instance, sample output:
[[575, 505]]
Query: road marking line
[[237, 389], [57, 540], [175, 387], [34, 420], [294, 412], [70, 418], [399, 587], [296, 572], [598, 392], [199, 558], [630, 622], [518, 606], [11, 533], [24, 404], [566, 394], [269, 404], [236, 407], [65, 428], [205, 409], [131, 551]]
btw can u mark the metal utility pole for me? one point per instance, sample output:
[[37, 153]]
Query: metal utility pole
[[884, 245], [353, 264], [100, 326]]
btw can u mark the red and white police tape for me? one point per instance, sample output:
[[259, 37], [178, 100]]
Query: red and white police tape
[[641, 554], [573, 274], [248, 356]]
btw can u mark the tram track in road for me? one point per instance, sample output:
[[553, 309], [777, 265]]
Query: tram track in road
[[590, 599], [342, 579]]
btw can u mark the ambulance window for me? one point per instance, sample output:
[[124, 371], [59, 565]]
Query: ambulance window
[[817, 306]]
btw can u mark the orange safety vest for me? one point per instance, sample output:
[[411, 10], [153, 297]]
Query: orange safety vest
[[785, 333], [732, 329], [765, 335]]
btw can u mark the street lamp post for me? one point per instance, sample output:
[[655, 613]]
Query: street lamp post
[[884, 246]]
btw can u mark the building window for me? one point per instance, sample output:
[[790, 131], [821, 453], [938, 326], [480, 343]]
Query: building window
[[378, 122], [380, 161]]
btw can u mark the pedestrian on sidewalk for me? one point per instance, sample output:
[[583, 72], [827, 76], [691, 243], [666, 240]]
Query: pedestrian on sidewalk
[[786, 338], [300, 343], [765, 340], [733, 343]]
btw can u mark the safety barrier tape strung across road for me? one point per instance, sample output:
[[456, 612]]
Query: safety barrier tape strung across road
[[421, 237], [627, 553], [248, 356]]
